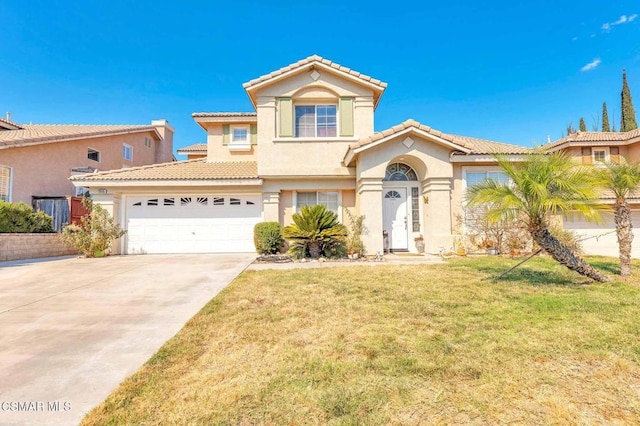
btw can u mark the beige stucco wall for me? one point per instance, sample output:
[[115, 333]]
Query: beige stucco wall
[[633, 153], [43, 170], [216, 151], [309, 156]]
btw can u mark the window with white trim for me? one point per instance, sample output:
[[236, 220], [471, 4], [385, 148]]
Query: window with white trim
[[240, 135], [473, 215], [316, 121], [5, 183], [127, 152], [330, 199], [600, 155]]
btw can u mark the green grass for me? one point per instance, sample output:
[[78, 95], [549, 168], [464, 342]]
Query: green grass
[[398, 345]]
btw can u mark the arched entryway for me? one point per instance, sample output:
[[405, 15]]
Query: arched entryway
[[400, 205]]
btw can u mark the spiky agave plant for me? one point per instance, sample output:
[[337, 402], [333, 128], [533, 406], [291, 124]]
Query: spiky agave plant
[[313, 227]]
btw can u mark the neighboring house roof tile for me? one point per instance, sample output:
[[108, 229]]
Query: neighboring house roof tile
[[9, 123], [32, 134], [313, 58], [582, 138], [195, 148], [198, 169]]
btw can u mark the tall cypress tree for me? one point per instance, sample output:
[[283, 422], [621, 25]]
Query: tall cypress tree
[[605, 118], [583, 125], [628, 114]]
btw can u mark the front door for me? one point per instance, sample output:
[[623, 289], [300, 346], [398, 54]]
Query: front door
[[395, 220]]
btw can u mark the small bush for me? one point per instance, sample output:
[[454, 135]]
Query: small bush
[[267, 237], [312, 229], [20, 218], [96, 232]]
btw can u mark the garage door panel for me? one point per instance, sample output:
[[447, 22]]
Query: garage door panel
[[602, 239], [192, 224]]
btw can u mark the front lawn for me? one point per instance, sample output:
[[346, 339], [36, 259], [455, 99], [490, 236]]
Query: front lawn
[[436, 344]]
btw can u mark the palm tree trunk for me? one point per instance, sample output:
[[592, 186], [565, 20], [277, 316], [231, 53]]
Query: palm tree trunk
[[314, 249], [564, 255], [624, 230]]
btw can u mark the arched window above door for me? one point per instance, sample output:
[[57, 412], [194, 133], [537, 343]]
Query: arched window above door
[[399, 172]]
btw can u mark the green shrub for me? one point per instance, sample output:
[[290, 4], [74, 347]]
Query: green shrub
[[314, 228], [267, 237], [20, 218], [95, 233]]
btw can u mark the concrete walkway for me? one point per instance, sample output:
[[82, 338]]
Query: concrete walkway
[[72, 329], [388, 259]]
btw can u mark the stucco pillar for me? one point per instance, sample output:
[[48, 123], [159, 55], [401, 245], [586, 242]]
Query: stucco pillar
[[271, 206], [111, 203], [437, 214], [369, 204]]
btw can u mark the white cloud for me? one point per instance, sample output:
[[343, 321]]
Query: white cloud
[[574, 39], [624, 19], [591, 65]]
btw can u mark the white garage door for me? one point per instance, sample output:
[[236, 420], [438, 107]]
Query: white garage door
[[603, 245], [192, 224]]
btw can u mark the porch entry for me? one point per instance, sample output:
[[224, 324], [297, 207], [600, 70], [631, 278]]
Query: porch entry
[[399, 217]]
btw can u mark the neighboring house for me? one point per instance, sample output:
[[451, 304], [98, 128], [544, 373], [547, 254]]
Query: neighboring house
[[36, 160], [310, 140], [192, 152], [594, 148]]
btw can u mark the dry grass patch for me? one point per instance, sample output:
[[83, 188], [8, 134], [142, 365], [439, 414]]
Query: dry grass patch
[[397, 345]]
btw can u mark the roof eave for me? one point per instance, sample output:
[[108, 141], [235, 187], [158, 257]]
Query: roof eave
[[106, 183], [251, 88]]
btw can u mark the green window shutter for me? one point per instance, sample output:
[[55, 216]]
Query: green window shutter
[[285, 121], [225, 134], [254, 134], [345, 109]]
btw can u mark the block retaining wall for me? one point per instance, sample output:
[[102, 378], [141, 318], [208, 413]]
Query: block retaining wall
[[31, 246]]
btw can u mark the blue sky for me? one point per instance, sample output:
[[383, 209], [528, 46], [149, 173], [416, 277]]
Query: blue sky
[[510, 71]]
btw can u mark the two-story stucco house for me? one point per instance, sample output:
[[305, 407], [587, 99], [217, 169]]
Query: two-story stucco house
[[36, 160], [310, 140]]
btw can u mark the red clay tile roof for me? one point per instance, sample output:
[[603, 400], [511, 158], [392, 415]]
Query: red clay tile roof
[[195, 148], [198, 169], [595, 138], [484, 146], [224, 114], [9, 123], [311, 59], [33, 134], [475, 145]]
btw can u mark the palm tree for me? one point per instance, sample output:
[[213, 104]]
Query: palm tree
[[312, 228], [623, 181], [541, 186]]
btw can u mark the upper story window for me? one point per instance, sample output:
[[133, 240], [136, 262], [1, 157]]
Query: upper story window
[[316, 121], [5, 183], [127, 152], [240, 135], [94, 155]]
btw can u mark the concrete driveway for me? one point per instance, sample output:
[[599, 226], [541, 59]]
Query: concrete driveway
[[71, 330]]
